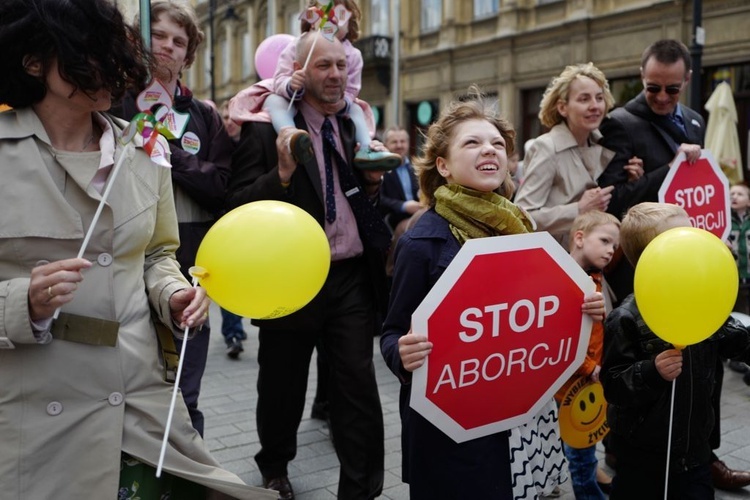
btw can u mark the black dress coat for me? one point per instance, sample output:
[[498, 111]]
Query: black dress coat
[[635, 130], [435, 466], [392, 196], [255, 177]]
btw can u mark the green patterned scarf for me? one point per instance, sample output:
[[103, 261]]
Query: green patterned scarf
[[476, 214]]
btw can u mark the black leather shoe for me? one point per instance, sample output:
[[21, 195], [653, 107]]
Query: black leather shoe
[[320, 411], [605, 487], [738, 366], [725, 478], [280, 484], [234, 348], [603, 480], [611, 460]]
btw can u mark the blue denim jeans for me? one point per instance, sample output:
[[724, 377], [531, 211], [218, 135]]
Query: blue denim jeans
[[582, 464], [231, 326]]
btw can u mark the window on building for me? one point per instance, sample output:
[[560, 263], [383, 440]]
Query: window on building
[[264, 27], [190, 76], [246, 54], [379, 16], [420, 115], [531, 127], [293, 23], [432, 15], [738, 76], [206, 68], [624, 89], [485, 8], [226, 63]]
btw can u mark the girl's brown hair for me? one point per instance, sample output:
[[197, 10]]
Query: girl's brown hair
[[441, 133]]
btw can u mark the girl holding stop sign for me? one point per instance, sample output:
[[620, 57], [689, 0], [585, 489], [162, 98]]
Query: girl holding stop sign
[[463, 177]]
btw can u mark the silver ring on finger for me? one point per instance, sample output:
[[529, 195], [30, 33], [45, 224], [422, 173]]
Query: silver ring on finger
[[49, 292]]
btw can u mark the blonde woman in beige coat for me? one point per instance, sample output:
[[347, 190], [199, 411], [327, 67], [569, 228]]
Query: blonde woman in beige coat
[[562, 166], [84, 395]]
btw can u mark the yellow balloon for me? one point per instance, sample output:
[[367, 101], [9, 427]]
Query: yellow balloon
[[685, 285], [264, 260]]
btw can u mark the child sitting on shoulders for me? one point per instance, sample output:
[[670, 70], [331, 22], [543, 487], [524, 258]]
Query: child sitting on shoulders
[[289, 84]]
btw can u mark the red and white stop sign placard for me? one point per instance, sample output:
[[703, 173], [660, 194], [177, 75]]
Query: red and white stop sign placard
[[507, 331], [702, 190]]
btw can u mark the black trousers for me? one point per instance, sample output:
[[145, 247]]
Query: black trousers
[[645, 481], [196, 354], [742, 304], [345, 326]]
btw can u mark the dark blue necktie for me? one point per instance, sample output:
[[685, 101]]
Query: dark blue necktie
[[678, 122], [329, 149], [370, 222]]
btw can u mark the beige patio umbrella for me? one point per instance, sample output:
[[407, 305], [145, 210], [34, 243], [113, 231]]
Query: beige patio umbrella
[[722, 138]]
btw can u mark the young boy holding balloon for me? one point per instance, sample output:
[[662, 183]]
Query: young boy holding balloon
[[660, 354]]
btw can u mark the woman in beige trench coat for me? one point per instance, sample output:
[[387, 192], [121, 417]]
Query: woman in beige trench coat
[[79, 391], [562, 166], [560, 173]]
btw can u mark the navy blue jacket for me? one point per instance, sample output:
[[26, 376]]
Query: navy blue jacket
[[433, 464]]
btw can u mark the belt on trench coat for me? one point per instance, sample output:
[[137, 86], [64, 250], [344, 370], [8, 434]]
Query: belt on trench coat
[[102, 332], [85, 330]]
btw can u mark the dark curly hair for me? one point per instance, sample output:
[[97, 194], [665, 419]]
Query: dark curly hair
[[91, 42]]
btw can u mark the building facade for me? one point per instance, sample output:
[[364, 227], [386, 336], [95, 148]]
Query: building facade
[[513, 47], [510, 48]]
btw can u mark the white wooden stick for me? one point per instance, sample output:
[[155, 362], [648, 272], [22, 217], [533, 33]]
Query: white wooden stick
[[669, 439], [175, 389]]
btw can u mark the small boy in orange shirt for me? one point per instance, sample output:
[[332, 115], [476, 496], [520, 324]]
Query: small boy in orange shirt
[[594, 237]]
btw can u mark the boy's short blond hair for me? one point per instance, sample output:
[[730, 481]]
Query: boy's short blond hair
[[743, 186], [641, 225], [588, 221]]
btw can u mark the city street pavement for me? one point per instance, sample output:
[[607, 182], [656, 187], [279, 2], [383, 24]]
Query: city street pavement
[[228, 399]]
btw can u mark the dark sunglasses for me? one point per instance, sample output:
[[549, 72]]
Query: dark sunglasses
[[669, 89]]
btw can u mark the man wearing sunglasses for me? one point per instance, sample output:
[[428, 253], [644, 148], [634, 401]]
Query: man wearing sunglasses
[[655, 127]]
